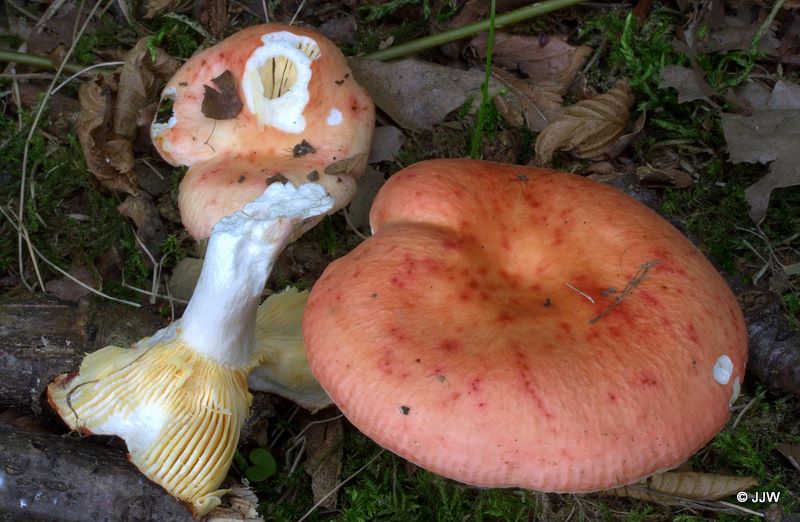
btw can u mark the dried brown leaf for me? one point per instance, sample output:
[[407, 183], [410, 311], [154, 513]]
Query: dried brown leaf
[[672, 486], [549, 59], [664, 177], [785, 96], [140, 82], [765, 136], [93, 130], [368, 186], [324, 450], [347, 166], [184, 278], [109, 119], [221, 102], [154, 8], [791, 452], [149, 228], [688, 82], [539, 103], [588, 129], [418, 94], [386, 143], [67, 289]]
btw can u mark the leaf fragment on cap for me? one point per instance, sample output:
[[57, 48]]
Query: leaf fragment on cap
[[222, 101]]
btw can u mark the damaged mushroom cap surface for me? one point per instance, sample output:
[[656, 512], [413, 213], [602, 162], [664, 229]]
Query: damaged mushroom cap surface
[[514, 326], [271, 102]]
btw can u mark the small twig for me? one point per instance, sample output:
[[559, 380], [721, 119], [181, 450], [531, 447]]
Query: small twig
[[465, 31], [152, 167], [321, 421], [85, 70], [581, 292], [296, 13], [776, 7], [338, 486], [147, 292], [633, 283], [741, 413], [352, 226]]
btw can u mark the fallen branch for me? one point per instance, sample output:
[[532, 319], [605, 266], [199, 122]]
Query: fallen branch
[[63, 479], [41, 337]]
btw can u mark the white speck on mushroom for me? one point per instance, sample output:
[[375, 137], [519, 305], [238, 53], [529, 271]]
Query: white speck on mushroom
[[723, 369], [334, 117], [737, 387], [23, 503]]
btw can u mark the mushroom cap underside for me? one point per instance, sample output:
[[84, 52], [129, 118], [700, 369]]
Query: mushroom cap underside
[[513, 326]]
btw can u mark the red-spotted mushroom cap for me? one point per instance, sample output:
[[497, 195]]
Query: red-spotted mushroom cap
[[271, 102], [514, 326]]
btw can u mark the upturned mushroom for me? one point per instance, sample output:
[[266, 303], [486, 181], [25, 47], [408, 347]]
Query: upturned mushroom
[[513, 326], [274, 131], [270, 103]]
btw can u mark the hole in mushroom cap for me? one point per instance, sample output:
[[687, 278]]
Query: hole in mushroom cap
[[278, 75]]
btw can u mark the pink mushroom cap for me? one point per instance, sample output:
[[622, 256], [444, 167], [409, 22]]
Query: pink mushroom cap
[[514, 326], [291, 126]]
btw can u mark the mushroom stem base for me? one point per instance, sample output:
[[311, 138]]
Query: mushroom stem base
[[179, 412]]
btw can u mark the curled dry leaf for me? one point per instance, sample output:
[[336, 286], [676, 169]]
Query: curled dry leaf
[[549, 59], [673, 486], [92, 128], [663, 177], [539, 103], [588, 129], [109, 120], [324, 450]]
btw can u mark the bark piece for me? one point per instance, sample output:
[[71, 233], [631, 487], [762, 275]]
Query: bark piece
[[41, 337], [60, 479]]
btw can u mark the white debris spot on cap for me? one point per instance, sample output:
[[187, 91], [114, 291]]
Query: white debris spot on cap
[[334, 117], [23, 503], [723, 369], [737, 387]]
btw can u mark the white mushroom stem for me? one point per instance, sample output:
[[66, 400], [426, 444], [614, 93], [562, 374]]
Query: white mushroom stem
[[220, 319], [179, 398]]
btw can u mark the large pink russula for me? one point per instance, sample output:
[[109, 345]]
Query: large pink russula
[[515, 326], [303, 118]]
